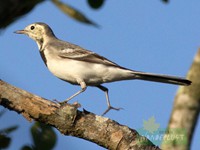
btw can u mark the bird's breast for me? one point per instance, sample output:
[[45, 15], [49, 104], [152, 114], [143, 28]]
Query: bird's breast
[[72, 70]]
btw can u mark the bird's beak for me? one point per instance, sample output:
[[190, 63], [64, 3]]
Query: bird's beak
[[21, 32]]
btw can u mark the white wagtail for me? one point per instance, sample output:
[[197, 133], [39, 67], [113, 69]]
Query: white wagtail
[[79, 66]]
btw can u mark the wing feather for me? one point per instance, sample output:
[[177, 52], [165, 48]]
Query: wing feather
[[85, 55]]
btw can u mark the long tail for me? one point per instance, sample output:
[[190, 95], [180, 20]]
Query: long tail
[[161, 78]]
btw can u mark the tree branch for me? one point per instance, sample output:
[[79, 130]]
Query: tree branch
[[70, 121], [186, 110]]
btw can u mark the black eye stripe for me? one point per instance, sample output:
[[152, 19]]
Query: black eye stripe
[[32, 27]]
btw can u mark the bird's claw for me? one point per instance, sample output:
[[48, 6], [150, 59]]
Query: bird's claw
[[109, 108]]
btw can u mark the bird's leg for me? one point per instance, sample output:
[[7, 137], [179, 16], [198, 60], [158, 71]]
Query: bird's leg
[[103, 88], [83, 88]]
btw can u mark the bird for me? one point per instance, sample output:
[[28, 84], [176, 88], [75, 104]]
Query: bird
[[78, 66]]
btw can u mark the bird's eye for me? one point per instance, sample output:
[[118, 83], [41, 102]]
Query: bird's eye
[[32, 27]]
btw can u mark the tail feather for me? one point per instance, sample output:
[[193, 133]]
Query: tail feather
[[162, 78]]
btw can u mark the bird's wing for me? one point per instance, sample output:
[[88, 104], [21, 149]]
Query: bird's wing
[[86, 56]]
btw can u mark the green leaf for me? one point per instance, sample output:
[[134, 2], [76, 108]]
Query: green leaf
[[9, 129], [165, 1], [26, 147], [44, 137], [4, 141], [95, 4], [73, 13]]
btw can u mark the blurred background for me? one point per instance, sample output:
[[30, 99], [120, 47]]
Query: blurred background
[[152, 36]]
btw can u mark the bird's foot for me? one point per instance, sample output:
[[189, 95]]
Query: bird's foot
[[109, 108], [75, 104], [55, 100], [64, 102]]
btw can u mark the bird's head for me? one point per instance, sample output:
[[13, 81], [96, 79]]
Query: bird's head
[[38, 32]]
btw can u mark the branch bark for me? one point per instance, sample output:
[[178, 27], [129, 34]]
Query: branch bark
[[185, 110], [70, 121]]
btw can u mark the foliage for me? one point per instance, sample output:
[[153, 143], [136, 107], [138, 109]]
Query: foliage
[[5, 139], [43, 136], [73, 13]]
